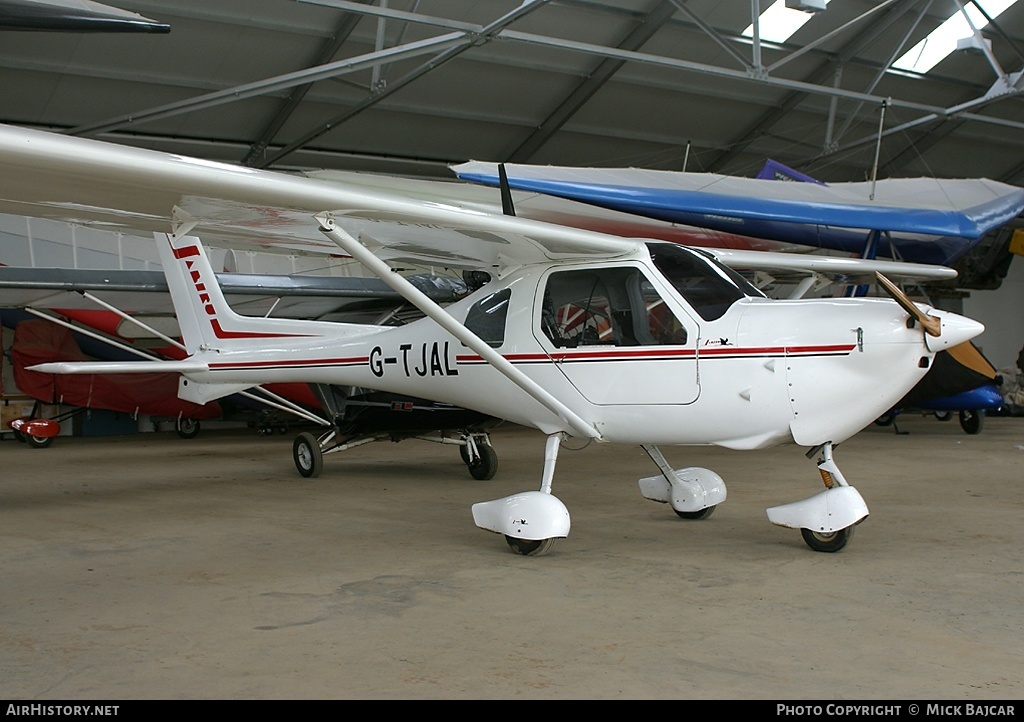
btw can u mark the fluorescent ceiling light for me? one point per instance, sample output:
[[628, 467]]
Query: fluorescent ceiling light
[[942, 41], [778, 23]]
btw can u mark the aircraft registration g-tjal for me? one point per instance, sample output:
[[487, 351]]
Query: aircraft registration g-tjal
[[575, 333]]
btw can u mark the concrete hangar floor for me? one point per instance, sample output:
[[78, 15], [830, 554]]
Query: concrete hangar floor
[[151, 567]]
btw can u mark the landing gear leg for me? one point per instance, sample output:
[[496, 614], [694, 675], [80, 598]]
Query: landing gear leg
[[825, 520], [533, 520]]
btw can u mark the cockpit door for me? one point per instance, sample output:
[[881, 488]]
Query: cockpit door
[[612, 334]]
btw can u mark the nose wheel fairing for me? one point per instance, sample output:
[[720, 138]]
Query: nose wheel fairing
[[825, 520], [826, 512]]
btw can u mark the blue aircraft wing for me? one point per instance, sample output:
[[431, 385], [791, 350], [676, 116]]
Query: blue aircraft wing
[[924, 220]]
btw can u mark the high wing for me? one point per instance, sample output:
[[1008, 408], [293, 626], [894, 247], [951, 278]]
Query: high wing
[[117, 187], [951, 213], [549, 209], [739, 252], [792, 268]]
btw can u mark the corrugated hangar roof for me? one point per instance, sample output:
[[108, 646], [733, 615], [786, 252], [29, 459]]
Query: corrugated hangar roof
[[410, 86]]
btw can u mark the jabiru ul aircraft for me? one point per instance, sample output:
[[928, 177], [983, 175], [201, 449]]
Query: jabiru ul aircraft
[[575, 333]]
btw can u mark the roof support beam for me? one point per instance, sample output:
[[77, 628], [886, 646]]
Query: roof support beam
[[833, 143], [328, 51], [468, 40], [824, 72], [711, 33], [594, 82], [465, 35], [280, 82], [828, 36]]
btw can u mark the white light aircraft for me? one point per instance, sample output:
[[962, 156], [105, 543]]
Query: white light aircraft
[[575, 333]]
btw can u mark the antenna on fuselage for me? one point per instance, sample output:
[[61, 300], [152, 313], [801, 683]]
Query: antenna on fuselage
[[506, 193]]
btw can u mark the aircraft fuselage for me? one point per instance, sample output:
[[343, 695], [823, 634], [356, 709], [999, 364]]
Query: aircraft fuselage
[[644, 357]]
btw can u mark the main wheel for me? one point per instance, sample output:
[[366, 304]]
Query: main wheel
[[38, 442], [702, 514], [309, 459], [485, 465], [827, 541], [943, 415], [530, 547], [971, 421], [885, 419], [187, 428]]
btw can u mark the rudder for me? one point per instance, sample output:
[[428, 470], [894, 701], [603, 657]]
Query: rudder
[[206, 320]]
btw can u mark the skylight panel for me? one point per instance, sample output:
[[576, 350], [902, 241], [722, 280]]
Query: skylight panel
[[943, 40], [778, 23]]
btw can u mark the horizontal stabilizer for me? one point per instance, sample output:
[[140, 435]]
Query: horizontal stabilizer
[[119, 367]]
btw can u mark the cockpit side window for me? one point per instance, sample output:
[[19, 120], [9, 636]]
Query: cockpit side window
[[707, 285], [607, 307], [486, 318]]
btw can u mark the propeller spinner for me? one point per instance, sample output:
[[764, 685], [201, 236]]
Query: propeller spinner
[[966, 353]]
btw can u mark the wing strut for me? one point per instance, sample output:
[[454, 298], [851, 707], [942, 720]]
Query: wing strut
[[416, 297]]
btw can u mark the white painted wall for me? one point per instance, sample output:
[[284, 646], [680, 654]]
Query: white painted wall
[[1002, 312]]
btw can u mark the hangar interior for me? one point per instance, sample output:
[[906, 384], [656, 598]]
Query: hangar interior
[[842, 90], [136, 570]]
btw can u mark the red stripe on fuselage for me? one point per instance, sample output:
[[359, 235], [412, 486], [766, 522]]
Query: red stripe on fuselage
[[350, 361], [610, 356], [669, 354]]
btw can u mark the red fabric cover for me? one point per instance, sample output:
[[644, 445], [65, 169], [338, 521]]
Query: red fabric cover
[[156, 394]]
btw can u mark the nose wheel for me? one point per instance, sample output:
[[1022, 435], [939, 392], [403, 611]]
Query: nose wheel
[[827, 542]]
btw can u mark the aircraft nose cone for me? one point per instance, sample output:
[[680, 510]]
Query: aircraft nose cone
[[955, 331]]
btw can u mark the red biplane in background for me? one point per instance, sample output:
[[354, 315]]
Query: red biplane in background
[[38, 341]]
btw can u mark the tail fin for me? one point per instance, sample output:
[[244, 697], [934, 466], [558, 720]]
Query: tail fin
[[206, 320]]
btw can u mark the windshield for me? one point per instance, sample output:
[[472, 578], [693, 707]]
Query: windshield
[[708, 286]]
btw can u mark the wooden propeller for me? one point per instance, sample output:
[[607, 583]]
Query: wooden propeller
[[931, 325]]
